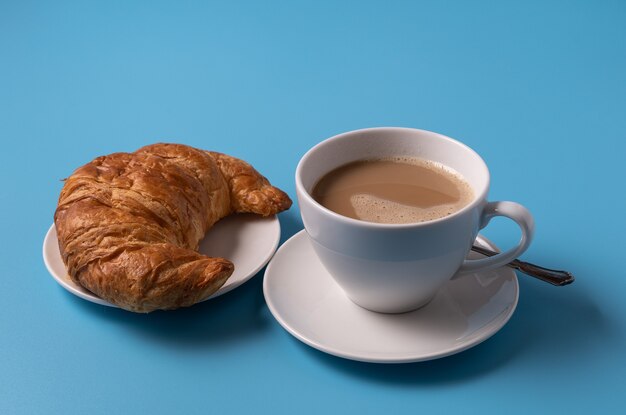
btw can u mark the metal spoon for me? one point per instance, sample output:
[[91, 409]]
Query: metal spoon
[[551, 276]]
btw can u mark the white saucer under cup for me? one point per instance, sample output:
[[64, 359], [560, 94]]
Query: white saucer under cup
[[310, 305]]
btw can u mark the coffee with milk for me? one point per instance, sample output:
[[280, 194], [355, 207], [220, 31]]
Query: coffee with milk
[[393, 190]]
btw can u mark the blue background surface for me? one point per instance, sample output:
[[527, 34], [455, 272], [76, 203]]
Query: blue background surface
[[538, 88]]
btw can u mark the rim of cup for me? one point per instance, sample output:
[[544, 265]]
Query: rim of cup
[[478, 198]]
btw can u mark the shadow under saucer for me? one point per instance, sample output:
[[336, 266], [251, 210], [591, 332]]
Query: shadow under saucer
[[551, 328]]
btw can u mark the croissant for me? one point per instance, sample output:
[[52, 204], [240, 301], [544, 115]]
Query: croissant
[[129, 224]]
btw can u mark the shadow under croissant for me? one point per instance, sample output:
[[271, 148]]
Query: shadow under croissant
[[235, 316]]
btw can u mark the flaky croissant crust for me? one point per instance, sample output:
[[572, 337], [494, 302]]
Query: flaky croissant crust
[[129, 224]]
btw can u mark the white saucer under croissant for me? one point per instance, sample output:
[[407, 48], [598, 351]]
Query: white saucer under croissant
[[308, 303], [249, 241]]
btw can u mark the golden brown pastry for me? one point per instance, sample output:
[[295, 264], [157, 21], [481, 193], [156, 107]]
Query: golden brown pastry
[[129, 224]]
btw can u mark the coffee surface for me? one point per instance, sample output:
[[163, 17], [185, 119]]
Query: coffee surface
[[395, 190]]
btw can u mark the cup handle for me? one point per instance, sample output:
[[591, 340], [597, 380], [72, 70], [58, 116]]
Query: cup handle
[[525, 221]]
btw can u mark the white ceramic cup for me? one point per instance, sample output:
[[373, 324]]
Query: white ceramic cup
[[395, 268]]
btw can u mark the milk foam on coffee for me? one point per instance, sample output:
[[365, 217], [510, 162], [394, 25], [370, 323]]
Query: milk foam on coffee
[[393, 190]]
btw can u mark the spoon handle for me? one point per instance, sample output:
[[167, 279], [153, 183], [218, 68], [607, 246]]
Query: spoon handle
[[551, 276]]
